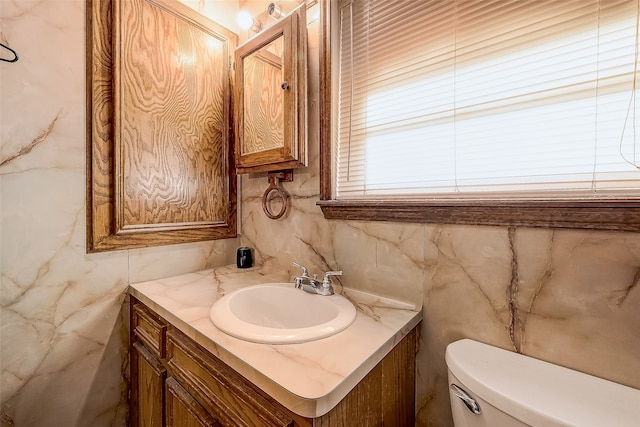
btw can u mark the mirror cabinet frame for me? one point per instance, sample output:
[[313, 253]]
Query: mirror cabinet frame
[[293, 28]]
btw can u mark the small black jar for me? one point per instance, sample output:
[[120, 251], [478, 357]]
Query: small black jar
[[244, 258]]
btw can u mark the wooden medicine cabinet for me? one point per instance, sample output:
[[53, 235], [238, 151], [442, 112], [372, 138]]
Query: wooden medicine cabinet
[[271, 97], [160, 166]]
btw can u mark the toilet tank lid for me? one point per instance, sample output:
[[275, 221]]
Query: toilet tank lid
[[540, 393]]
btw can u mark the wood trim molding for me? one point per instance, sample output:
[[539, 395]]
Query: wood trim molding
[[617, 214], [325, 99]]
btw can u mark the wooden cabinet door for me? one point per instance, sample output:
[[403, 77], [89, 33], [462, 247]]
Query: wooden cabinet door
[[160, 162], [270, 120], [147, 394], [218, 388], [183, 410]]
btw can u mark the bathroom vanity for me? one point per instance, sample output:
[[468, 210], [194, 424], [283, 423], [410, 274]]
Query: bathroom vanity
[[184, 371]]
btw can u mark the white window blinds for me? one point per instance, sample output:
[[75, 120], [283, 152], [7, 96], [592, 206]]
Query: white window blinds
[[476, 97]]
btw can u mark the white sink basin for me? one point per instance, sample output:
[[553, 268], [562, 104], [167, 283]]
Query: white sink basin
[[278, 313]]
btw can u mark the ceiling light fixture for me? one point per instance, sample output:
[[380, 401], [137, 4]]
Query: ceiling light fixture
[[247, 22]]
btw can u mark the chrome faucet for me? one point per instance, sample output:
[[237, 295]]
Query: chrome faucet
[[312, 284]]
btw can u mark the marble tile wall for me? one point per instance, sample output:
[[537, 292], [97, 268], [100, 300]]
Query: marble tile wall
[[63, 317]]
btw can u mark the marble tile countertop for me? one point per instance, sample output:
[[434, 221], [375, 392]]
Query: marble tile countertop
[[309, 378]]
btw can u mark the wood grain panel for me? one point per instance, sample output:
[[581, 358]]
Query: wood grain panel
[[171, 123], [160, 165], [398, 383]]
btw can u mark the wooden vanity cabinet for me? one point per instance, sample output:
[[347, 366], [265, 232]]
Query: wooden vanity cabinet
[[177, 382], [148, 373]]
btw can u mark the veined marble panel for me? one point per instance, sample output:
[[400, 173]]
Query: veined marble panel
[[60, 308], [63, 314], [568, 297], [382, 258], [165, 261]]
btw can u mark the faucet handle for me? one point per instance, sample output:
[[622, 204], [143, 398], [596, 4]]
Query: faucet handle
[[305, 272], [327, 277]]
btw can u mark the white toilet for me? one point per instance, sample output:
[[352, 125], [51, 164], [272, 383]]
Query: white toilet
[[491, 387]]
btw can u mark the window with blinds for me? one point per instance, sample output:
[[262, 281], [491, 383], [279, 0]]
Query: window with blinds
[[486, 98]]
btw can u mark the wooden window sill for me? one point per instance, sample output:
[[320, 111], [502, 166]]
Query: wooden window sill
[[597, 214]]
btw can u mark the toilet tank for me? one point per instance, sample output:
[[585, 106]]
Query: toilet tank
[[517, 390]]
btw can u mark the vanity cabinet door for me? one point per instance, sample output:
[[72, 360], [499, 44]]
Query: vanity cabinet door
[[223, 392], [183, 410], [148, 377]]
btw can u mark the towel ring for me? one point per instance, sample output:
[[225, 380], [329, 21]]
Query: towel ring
[[274, 191]]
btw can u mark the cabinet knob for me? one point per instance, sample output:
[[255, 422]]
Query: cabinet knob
[[284, 85]]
